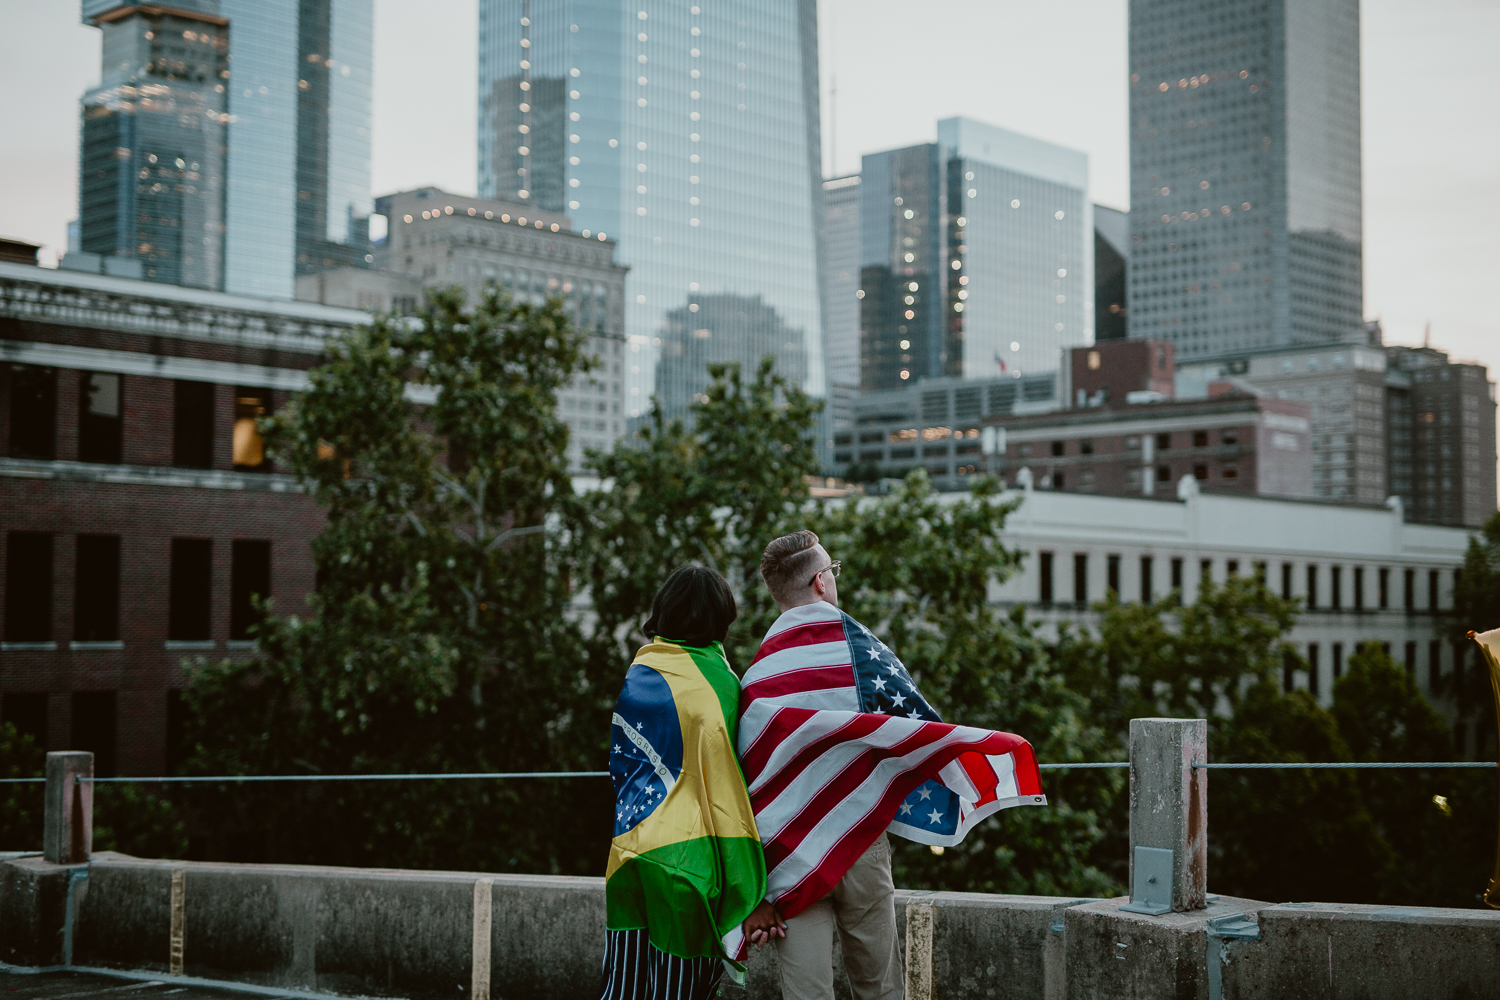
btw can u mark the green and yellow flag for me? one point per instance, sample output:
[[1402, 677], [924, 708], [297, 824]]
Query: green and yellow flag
[[686, 861]]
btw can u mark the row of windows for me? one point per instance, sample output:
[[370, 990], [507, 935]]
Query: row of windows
[[102, 416], [1366, 591], [96, 587]]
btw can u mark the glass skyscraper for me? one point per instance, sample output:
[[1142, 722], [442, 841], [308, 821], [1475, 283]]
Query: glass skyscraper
[[691, 136], [975, 256], [1245, 175], [292, 109], [152, 144]]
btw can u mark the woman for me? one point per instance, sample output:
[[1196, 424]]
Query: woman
[[685, 887]]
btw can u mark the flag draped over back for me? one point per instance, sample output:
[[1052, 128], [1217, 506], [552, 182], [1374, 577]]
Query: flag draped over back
[[685, 862], [838, 746]]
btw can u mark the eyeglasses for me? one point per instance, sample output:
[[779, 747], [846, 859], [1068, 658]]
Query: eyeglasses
[[836, 565]]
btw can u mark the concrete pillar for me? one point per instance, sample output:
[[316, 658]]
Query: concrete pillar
[[68, 814], [1169, 805]]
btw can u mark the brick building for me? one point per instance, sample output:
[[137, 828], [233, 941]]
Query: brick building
[[140, 513]]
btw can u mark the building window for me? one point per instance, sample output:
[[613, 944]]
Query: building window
[[1205, 572], [1163, 476], [1384, 584], [1338, 660], [28, 713], [1147, 563], [1177, 574], [94, 729], [1230, 473], [33, 412], [1200, 472], [1460, 653], [249, 447], [1231, 568], [193, 425], [1432, 590], [1080, 578], [1312, 587], [1409, 584], [1411, 659], [1434, 665], [1200, 439], [100, 409], [1312, 669], [1288, 669], [1286, 581], [1046, 574], [1359, 588], [1059, 480], [1163, 442], [190, 589], [1086, 446], [28, 586], [1058, 447], [96, 588], [1112, 578], [249, 579], [1230, 436]]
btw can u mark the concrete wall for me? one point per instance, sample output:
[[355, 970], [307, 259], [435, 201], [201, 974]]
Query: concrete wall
[[375, 932]]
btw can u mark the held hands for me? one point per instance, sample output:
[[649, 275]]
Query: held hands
[[764, 924]]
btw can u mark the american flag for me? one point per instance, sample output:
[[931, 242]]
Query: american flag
[[837, 746]]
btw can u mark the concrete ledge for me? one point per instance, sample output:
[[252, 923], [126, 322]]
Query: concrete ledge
[[33, 903], [372, 932]]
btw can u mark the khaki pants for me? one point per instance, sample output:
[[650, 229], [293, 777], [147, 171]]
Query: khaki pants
[[863, 906]]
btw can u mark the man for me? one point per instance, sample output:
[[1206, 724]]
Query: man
[[838, 746]]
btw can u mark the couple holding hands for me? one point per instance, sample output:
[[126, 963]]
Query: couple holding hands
[[754, 810]]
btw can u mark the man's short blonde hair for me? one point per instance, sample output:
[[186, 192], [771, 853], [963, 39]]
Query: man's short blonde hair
[[788, 565]]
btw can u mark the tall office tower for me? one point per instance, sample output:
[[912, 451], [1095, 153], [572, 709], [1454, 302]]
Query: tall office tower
[[1245, 175], [975, 256], [1111, 265], [840, 242], [152, 143], [291, 171], [1440, 436], [690, 136], [299, 145]]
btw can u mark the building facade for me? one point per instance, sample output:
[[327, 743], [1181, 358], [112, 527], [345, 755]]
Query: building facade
[[1245, 175], [142, 514], [1111, 273], [1440, 436], [1235, 443], [438, 240], [840, 242], [976, 255], [1360, 573], [933, 425], [1344, 389], [282, 123], [688, 135], [152, 145]]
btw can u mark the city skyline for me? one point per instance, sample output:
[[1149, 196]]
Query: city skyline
[[1425, 259]]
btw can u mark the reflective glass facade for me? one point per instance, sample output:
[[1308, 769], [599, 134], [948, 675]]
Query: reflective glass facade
[[975, 257], [299, 141], [840, 241], [1245, 175], [151, 165], [690, 136]]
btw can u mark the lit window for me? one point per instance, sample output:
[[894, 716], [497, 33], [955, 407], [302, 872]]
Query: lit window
[[906, 345], [1015, 345], [905, 374], [1062, 272], [910, 257], [912, 287], [249, 447], [1058, 215], [957, 264], [1015, 203]]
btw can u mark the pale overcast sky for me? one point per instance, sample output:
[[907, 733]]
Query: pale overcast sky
[[1054, 70]]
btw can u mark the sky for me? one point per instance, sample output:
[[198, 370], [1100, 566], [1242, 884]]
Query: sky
[[1057, 71]]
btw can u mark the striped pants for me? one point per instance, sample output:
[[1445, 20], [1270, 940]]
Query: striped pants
[[635, 969]]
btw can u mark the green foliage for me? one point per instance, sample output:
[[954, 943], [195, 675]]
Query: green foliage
[[439, 638], [1476, 597], [20, 805]]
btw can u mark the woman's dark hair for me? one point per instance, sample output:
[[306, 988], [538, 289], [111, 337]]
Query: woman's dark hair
[[694, 607]]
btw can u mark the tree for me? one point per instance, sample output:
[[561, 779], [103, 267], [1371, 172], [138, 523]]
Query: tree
[[20, 805], [440, 636], [1476, 596]]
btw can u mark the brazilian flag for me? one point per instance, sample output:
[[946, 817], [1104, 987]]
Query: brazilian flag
[[686, 861]]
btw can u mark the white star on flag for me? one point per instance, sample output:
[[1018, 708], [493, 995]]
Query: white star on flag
[[914, 714], [906, 808], [898, 700], [935, 817], [879, 684], [926, 793]]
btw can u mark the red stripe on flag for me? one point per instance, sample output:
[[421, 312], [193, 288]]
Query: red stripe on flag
[[781, 726], [857, 728], [800, 635], [797, 681], [1028, 775], [982, 773]]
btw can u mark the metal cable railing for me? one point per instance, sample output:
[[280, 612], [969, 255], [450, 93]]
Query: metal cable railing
[[191, 779]]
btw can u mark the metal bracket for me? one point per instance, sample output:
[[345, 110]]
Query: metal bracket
[[1151, 889], [1221, 931]]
